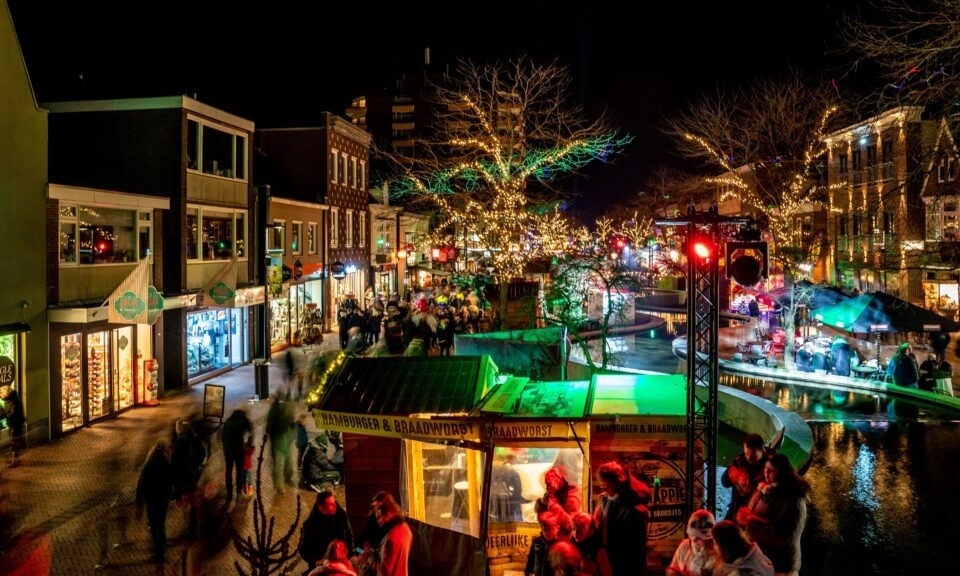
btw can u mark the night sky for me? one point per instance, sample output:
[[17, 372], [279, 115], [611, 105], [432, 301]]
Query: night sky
[[280, 63]]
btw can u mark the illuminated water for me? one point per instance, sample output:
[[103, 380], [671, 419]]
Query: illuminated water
[[885, 474]]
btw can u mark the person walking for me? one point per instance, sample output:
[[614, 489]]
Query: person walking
[[622, 518], [777, 514], [326, 523], [745, 473], [397, 539], [154, 486], [17, 421], [280, 429], [248, 452], [186, 465], [302, 439], [235, 434], [738, 556]]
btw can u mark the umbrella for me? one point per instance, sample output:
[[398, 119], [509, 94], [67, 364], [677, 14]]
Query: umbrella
[[881, 312], [813, 295]]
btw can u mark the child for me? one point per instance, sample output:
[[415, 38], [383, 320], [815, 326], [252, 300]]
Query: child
[[550, 531], [248, 468]]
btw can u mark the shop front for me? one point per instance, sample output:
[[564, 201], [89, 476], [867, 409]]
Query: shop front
[[12, 362], [98, 370]]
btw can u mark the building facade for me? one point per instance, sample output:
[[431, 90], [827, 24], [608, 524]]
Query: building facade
[[23, 179], [161, 178]]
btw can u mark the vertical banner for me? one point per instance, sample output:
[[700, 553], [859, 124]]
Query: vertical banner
[[154, 305], [221, 290], [128, 303]]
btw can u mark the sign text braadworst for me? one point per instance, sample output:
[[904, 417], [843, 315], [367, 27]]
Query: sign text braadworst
[[399, 426]]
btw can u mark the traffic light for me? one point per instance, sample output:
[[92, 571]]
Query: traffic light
[[747, 262]]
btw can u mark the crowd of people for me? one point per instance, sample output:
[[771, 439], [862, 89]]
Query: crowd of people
[[432, 318]]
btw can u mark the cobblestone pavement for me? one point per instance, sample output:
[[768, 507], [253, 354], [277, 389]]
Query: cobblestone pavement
[[68, 508]]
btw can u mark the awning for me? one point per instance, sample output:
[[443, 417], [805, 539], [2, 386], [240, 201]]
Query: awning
[[311, 268], [14, 328]]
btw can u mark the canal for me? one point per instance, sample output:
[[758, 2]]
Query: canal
[[885, 473]]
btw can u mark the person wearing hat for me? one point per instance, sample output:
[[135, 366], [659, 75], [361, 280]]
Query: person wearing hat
[[695, 556]]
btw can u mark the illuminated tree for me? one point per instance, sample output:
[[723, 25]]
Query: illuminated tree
[[596, 270], [764, 145], [503, 139]]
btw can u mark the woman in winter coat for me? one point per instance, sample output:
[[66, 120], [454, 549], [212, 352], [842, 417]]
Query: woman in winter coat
[[738, 556], [335, 562]]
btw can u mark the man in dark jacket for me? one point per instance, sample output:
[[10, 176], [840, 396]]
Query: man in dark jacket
[[327, 522], [189, 456], [622, 518], [233, 435], [745, 472], [13, 412]]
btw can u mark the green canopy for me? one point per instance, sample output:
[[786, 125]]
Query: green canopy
[[882, 312]]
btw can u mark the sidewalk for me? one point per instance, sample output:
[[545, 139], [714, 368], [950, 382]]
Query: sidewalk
[[71, 501]]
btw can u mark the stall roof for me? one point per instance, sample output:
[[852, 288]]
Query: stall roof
[[639, 394], [537, 353], [519, 397], [401, 386]]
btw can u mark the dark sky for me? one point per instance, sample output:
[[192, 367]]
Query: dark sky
[[280, 63]]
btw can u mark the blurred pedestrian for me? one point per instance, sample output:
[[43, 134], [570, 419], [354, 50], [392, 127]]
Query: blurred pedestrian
[[302, 439], [397, 539], [903, 367], [745, 472], [280, 429], [186, 465], [622, 518], [336, 561], [564, 559], [154, 486], [16, 421], [777, 514], [248, 452], [695, 556], [235, 434], [736, 554], [586, 537], [326, 523]]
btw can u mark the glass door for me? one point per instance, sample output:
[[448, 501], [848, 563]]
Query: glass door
[[98, 389], [123, 367]]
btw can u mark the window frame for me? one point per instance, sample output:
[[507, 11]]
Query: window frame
[[238, 218], [334, 227], [348, 242], [296, 237], [140, 219], [311, 237], [239, 150]]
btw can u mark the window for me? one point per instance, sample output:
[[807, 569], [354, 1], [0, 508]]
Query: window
[[363, 230], [334, 163], [296, 233], [871, 155], [144, 234], [311, 238], [343, 168], [856, 224], [362, 174], [276, 236], [933, 221], [215, 233], [351, 173], [856, 160], [951, 169], [942, 171], [216, 151], [886, 152], [334, 227], [349, 229], [842, 158], [101, 235]]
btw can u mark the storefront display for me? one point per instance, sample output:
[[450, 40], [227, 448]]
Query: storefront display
[[9, 372], [208, 342], [122, 359], [279, 323], [151, 380], [71, 415]]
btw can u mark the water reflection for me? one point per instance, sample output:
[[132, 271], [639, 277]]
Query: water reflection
[[883, 474]]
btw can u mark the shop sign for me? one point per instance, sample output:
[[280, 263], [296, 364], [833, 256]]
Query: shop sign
[[154, 304], [399, 426], [338, 270], [8, 371], [539, 430], [129, 305], [221, 292], [640, 427]]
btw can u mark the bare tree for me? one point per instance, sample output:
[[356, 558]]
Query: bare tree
[[503, 139]]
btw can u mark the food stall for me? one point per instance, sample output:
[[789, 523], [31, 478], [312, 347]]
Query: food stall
[[442, 433]]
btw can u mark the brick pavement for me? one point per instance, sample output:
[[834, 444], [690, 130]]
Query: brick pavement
[[65, 509]]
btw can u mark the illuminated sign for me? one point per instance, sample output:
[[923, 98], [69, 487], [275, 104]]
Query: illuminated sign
[[399, 426]]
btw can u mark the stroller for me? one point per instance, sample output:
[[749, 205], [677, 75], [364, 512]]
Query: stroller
[[317, 472]]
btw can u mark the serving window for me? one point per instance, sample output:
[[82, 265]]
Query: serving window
[[443, 485]]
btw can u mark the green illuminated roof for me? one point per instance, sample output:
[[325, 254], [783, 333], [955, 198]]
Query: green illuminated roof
[[522, 398], [400, 386], [639, 394]]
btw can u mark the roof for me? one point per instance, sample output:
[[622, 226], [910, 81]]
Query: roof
[[639, 394], [402, 386], [519, 397]]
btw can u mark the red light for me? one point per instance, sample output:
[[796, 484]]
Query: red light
[[102, 246], [620, 243], [702, 250]]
